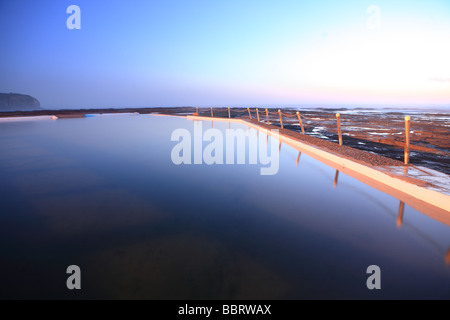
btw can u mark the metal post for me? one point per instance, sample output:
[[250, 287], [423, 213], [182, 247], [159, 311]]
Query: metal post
[[301, 124], [267, 116], [257, 114], [229, 116], [249, 114], [407, 119], [212, 114], [281, 120], [338, 118]]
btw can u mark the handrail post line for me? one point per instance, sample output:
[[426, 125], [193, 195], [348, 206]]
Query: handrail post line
[[407, 120], [229, 116], [267, 116], [301, 124], [212, 115], [257, 114], [249, 114], [338, 118]]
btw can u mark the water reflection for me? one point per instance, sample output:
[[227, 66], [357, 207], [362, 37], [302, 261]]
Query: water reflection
[[405, 170], [335, 182], [103, 193], [401, 209], [298, 159], [183, 265], [400, 212]]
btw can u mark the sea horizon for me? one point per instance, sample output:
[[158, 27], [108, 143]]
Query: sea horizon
[[371, 107]]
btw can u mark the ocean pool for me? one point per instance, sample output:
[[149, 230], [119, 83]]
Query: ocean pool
[[103, 193]]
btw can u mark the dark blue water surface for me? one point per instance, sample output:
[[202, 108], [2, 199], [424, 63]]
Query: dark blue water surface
[[103, 193]]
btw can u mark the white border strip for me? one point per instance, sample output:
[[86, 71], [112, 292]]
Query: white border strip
[[35, 118]]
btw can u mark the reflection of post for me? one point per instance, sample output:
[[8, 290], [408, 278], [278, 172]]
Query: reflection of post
[[281, 120], [301, 124], [335, 182], [407, 119], [405, 170], [212, 115], [279, 148], [229, 125], [401, 208], [257, 114], [249, 114], [229, 115], [298, 159], [267, 116], [338, 118], [447, 257]]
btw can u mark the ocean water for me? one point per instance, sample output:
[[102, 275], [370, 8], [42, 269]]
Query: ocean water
[[103, 193]]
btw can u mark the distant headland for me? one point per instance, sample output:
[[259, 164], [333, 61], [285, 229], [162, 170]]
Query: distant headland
[[18, 102]]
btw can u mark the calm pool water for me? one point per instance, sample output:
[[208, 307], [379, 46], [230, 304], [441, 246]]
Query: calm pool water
[[103, 193]]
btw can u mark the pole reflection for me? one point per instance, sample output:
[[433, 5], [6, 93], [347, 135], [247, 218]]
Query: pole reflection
[[405, 170], [335, 182], [298, 159], [401, 209]]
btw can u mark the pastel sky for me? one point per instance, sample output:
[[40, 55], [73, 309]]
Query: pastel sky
[[224, 53]]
